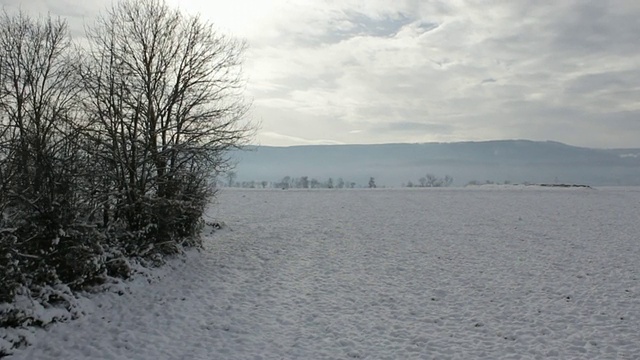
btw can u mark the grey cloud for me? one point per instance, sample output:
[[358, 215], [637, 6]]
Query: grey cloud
[[353, 24], [596, 27], [416, 127], [615, 80], [539, 110], [385, 27], [427, 26], [569, 29], [77, 14], [74, 9], [289, 84]]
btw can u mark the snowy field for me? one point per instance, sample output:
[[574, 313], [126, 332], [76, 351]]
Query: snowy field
[[481, 273]]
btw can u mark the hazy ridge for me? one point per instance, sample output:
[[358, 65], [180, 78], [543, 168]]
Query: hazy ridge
[[516, 161]]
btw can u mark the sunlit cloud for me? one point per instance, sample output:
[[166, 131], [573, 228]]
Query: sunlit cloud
[[286, 140], [359, 72]]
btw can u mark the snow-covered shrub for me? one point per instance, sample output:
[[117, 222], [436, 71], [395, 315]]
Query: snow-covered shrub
[[10, 276], [169, 225], [40, 306], [119, 267], [48, 251], [79, 260]]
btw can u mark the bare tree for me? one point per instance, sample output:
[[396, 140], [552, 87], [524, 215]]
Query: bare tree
[[40, 162], [165, 105], [432, 181], [285, 183], [303, 182], [37, 97], [231, 178]]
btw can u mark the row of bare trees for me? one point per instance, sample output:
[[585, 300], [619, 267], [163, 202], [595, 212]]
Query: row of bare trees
[[304, 182], [109, 150], [431, 180]]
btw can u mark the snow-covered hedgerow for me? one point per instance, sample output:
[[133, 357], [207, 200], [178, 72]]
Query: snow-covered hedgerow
[[101, 163]]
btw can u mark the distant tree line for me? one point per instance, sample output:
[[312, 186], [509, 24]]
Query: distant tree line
[[304, 182], [107, 151], [431, 180], [287, 182], [489, 182]]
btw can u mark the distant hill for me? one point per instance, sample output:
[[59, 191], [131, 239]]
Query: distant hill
[[392, 165]]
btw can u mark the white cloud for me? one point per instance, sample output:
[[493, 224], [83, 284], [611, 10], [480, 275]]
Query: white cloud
[[286, 140], [356, 72]]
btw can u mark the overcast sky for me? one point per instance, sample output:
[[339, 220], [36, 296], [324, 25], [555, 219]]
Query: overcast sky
[[380, 71]]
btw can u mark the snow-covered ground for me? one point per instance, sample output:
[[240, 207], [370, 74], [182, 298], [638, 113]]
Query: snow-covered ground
[[495, 273]]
